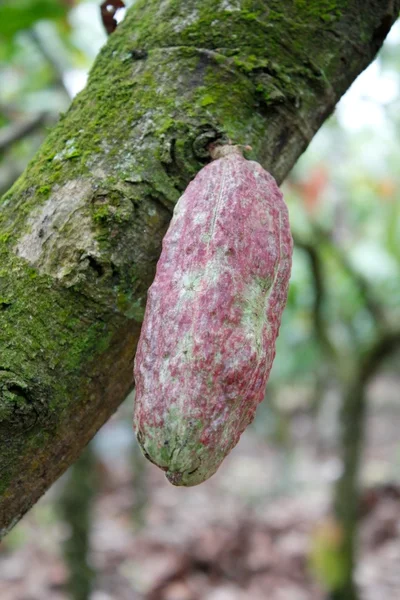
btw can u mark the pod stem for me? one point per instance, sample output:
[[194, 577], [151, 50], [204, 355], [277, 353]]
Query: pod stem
[[225, 150]]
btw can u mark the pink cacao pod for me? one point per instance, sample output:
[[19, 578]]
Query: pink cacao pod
[[212, 317]]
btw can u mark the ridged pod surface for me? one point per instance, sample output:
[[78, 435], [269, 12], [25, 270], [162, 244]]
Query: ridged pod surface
[[212, 317]]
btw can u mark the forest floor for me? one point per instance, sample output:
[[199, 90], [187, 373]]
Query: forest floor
[[253, 531]]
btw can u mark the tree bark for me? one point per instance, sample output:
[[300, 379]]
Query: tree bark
[[81, 230]]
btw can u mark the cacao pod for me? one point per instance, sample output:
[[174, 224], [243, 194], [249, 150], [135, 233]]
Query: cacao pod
[[212, 317]]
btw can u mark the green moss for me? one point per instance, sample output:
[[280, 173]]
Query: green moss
[[48, 335], [133, 308], [327, 10], [207, 100], [4, 237], [250, 63], [56, 343], [45, 190], [101, 214]]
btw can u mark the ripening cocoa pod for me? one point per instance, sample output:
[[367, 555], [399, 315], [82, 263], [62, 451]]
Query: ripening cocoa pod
[[212, 318]]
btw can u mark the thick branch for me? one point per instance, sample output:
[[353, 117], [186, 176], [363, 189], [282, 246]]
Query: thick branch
[[81, 230]]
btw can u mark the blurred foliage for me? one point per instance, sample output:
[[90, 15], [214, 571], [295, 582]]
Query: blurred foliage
[[343, 197], [46, 49], [18, 15], [325, 557]]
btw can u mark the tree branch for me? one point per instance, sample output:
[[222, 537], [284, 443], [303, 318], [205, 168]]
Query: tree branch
[[319, 295], [365, 290], [52, 60], [20, 129], [81, 230], [384, 346]]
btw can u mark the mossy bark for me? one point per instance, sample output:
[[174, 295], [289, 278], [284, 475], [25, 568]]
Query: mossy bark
[[81, 230]]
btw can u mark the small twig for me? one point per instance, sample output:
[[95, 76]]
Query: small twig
[[20, 129], [319, 294], [51, 60], [385, 345], [367, 294]]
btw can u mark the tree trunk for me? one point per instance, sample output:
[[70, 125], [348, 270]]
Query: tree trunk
[[81, 230], [347, 489], [75, 507]]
